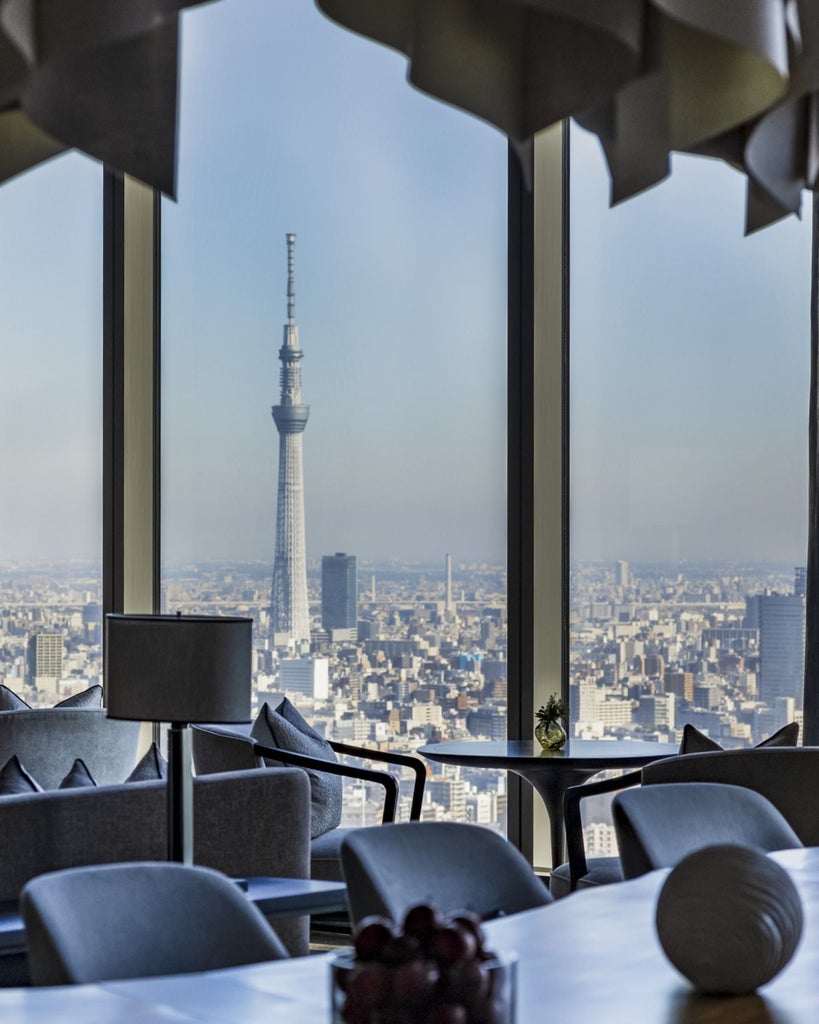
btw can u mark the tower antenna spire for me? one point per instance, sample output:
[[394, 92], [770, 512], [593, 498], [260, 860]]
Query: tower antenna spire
[[291, 279]]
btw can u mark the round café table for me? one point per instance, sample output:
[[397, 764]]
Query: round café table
[[550, 772]]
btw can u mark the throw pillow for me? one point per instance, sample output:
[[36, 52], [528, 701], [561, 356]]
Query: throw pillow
[[78, 777], [696, 742], [287, 729], [151, 766], [9, 701], [14, 779], [90, 698]]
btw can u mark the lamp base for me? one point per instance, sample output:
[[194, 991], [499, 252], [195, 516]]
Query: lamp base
[[180, 794]]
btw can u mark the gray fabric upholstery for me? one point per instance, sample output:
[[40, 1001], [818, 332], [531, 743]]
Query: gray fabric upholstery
[[223, 748], [47, 740], [325, 855], [9, 701], [657, 826], [284, 727], [139, 920], [696, 742], [602, 871], [786, 776], [78, 777], [90, 698], [775, 768], [246, 824], [452, 866], [14, 779], [152, 765]]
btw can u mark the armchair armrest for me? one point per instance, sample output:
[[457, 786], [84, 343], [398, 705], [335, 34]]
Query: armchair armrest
[[390, 757], [335, 768], [574, 822]]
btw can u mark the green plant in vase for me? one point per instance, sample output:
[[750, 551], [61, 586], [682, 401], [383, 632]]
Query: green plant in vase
[[549, 729]]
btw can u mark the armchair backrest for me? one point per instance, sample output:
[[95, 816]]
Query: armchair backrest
[[447, 864], [222, 749], [48, 739], [657, 826], [785, 775]]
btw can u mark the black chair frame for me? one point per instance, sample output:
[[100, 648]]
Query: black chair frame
[[574, 822], [381, 778]]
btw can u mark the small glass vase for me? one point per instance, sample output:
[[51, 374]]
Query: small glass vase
[[550, 735]]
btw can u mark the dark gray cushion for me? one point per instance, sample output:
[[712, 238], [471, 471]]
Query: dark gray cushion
[[151, 766], [78, 777], [9, 701], [14, 779], [90, 698], [325, 855], [696, 742], [286, 728], [602, 871]]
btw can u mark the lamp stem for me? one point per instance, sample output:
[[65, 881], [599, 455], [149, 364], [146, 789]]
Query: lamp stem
[[180, 794]]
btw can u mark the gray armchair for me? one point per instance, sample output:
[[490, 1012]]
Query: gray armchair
[[139, 920], [784, 775], [657, 826], [220, 749], [446, 864]]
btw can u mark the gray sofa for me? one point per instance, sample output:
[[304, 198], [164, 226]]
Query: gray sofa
[[48, 739], [246, 824]]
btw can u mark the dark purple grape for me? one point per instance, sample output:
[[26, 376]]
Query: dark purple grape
[[472, 922], [465, 982], [448, 1013], [400, 949], [422, 922], [373, 935], [370, 985], [453, 943], [355, 1013], [414, 982]]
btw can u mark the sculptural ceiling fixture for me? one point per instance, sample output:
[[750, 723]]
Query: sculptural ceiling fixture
[[98, 75], [734, 79]]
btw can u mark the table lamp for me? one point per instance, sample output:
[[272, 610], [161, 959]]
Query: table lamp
[[182, 670]]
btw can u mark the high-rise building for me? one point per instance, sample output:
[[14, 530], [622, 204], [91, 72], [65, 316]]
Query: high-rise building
[[45, 656], [308, 677], [289, 610], [781, 647], [621, 574], [339, 592]]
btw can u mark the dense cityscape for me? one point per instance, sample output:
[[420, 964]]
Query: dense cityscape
[[404, 654]]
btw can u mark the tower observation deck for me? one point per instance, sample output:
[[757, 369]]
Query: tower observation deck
[[289, 610]]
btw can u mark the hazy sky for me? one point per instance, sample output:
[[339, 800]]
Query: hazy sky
[[689, 370], [689, 342], [399, 207]]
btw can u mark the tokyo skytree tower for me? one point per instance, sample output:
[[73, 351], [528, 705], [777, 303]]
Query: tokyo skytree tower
[[289, 611]]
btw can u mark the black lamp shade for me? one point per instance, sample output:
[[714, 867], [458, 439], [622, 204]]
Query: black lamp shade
[[173, 668]]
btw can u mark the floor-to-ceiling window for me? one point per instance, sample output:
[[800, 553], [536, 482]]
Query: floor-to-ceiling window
[[288, 125], [689, 400], [51, 430]]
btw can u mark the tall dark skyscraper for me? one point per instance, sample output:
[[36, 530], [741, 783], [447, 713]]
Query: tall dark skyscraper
[[781, 647], [289, 610], [339, 592]]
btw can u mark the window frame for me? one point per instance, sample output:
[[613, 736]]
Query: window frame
[[537, 431]]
